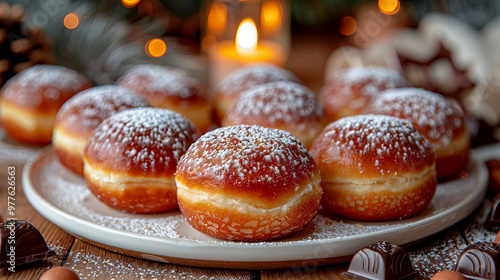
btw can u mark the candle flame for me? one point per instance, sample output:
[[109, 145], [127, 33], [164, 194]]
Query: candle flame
[[71, 21], [389, 7], [156, 47], [270, 16], [246, 37]]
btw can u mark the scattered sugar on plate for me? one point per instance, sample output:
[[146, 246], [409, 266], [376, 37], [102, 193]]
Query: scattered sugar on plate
[[67, 191], [90, 266]]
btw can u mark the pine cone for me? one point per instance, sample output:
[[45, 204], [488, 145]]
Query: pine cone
[[20, 46]]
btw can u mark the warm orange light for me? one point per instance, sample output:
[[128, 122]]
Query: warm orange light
[[130, 3], [156, 47], [246, 37], [347, 25], [217, 18], [270, 16], [208, 41], [389, 7], [71, 21]]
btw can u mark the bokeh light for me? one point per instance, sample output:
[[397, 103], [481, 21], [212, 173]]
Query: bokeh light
[[347, 25], [389, 7], [217, 18], [270, 17], [130, 3], [71, 21], [156, 47]]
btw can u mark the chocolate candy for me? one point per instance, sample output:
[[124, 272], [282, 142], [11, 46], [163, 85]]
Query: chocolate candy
[[381, 260], [21, 243], [494, 217], [480, 261]]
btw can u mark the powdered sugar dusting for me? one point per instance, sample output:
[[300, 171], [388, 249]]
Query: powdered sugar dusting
[[156, 82], [372, 79], [353, 88], [475, 231], [68, 193], [55, 80], [375, 138], [249, 76], [149, 139], [90, 266], [277, 103], [431, 113], [247, 155], [90, 107], [440, 255]]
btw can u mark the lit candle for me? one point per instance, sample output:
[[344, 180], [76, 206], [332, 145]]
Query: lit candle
[[227, 56], [242, 32]]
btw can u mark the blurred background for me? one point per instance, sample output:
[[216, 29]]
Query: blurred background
[[103, 39]]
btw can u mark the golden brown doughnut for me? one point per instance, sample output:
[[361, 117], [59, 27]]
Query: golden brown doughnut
[[284, 105], [81, 114], [348, 91], [171, 89], [248, 183], [131, 157], [246, 77], [375, 167], [30, 101], [440, 120]]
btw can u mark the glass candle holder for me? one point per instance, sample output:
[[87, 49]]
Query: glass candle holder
[[239, 32]]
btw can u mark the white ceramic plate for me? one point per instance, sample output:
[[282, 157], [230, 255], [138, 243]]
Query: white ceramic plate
[[62, 197]]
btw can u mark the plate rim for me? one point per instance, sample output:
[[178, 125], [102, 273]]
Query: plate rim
[[231, 251]]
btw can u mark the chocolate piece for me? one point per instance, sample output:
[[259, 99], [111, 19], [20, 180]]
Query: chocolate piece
[[21, 243], [381, 260], [480, 261], [494, 217]]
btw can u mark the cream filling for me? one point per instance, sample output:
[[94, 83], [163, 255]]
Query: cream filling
[[391, 184], [224, 201], [122, 182], [29, 120], [68, 142]]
